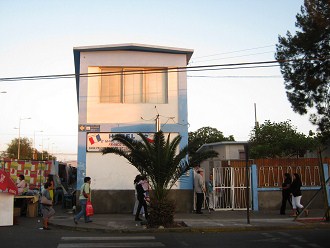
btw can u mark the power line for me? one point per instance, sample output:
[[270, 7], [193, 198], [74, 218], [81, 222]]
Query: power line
[[130, 72], [243, 50], [238, 56], [246, 65], [203, 76]]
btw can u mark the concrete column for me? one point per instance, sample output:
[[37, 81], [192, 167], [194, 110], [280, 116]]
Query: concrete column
[[254, 187], [326, 176]]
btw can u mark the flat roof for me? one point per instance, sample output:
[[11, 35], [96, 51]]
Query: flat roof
[[135, 47], [222, 143]]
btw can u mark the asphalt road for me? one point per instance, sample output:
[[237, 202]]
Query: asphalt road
[[22, 236]]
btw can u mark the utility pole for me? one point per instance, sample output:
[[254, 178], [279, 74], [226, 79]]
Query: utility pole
[[19, 136], [157, 123], [256, 123]]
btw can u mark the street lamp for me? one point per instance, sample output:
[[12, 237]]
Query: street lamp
[[42, 147], [34, 142], [34, 137], [19, 135]]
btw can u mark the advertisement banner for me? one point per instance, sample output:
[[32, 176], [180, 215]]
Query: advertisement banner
[[97, 141]]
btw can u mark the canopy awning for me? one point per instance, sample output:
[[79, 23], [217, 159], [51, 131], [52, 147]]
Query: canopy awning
[[7, 184]]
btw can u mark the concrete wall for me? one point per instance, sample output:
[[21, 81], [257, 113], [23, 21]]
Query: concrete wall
[[110, 171], [229, 152], [272, 200], [128, 113], [122, 201]]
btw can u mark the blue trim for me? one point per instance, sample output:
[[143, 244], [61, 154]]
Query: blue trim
[[81, 167], [326, 176], [279, 189], [254, 186], [76, 56]]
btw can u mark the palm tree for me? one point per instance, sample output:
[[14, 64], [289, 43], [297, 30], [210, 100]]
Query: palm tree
[[160, 160]]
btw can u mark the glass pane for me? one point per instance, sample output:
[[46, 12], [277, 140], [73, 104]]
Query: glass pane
[[110, 86], [156, 86], [132, 86]]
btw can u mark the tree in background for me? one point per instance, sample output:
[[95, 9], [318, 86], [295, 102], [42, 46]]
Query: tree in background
[[305, 63], [26, 150], [206, 135], [278, 140]]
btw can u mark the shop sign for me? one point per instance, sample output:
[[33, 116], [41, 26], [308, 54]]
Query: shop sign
[[97, 141]]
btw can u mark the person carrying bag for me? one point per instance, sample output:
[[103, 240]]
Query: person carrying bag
[[47, 206], [85, 199]]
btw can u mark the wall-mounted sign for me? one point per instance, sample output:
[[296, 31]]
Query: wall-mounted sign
[[96, 141], [89, 128]]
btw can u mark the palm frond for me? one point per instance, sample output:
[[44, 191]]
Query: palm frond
[[160, 159]]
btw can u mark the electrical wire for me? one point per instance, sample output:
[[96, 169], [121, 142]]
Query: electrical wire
[[238, 56], [247, 65], [243, 76], [243, 50]]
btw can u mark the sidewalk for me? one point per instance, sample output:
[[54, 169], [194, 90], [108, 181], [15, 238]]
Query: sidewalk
[[216, 221]]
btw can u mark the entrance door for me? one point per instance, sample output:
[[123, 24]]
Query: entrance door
[[229, 187]]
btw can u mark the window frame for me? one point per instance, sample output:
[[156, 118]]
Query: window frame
[[143, 91]]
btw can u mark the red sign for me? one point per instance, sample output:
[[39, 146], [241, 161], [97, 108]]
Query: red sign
[[7, 185]]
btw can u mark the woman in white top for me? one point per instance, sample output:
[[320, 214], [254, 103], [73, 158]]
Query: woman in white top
[[21, 186]]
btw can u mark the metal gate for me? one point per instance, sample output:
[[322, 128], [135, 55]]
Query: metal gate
[[229, 188]]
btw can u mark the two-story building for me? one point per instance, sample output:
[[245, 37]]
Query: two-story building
[[127, 88]]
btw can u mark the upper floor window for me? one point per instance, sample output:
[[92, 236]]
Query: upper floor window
[[134, 85]]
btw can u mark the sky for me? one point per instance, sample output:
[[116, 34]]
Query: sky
[[38, 36]]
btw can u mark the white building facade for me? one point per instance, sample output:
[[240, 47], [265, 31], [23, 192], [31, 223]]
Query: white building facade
[[124, 89]]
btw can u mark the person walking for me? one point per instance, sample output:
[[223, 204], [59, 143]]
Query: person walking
[[286, 193], [50, 180], [136, 204], [47, 209], [85, 195], [199, 189], [296, 195], [210, 193], [141, 198]]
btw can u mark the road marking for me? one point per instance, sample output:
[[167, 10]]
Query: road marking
[[284, 234], [314, 245], [268, 235], [101, 245], [136, 241], [299, 239], [108, 238]]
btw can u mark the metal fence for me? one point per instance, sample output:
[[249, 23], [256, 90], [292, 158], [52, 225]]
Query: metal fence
[[230, 187], [271, 171], [229, 178]]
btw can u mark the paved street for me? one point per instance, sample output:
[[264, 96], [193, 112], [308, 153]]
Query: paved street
[[216, 229], [20, 237]]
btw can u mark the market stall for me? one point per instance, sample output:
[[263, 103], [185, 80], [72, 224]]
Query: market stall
[[8, 190]]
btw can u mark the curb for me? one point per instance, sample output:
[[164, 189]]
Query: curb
[[302, 226]]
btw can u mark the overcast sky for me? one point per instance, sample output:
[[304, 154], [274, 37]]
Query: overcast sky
[[37, 38]]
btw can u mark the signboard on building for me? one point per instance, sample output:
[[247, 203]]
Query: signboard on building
[[89, 128], [97, 141]]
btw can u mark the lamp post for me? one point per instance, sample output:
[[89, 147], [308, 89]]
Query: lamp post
[[19, 135], [42, 147], [34, 137], [35, 152]]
